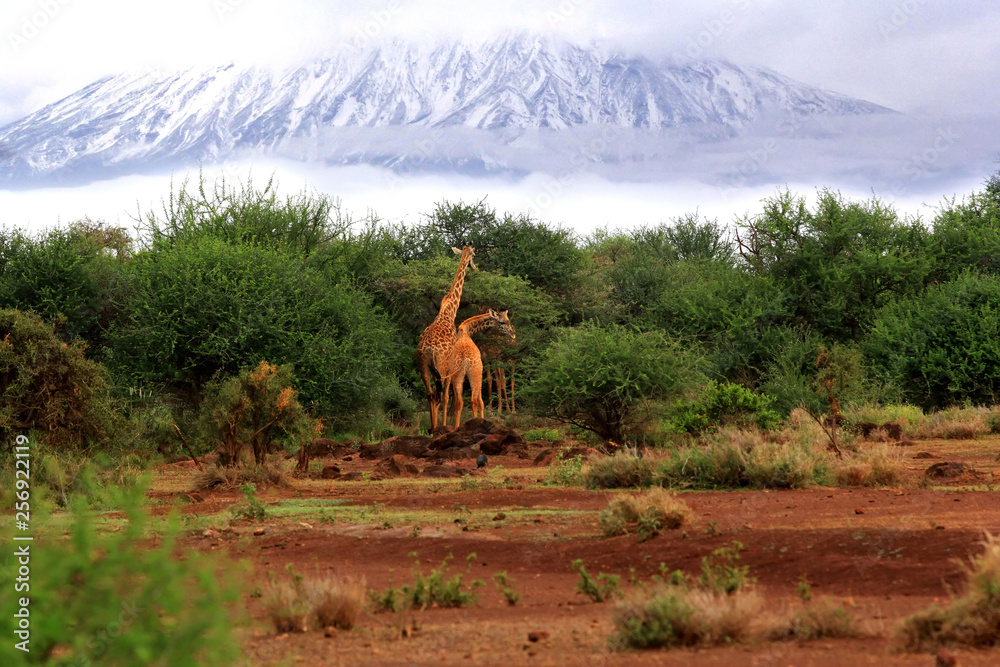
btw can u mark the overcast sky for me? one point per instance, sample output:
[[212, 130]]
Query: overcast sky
[[932, 60]]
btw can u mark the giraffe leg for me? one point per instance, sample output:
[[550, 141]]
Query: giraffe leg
[[476, 388], [457, 384], [433, 397], [510, 405], [502, 390]]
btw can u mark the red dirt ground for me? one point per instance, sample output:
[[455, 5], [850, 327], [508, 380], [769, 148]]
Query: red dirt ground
[[882, 553]]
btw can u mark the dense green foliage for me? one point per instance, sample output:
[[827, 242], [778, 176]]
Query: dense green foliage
[[109, 598], [49, 386], [599, 377], [222, 278]]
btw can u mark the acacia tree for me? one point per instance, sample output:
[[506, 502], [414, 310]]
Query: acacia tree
[[598, 377]]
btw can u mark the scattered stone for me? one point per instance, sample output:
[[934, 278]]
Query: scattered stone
[[538, 636], [210, 533], [454, 454], [259, 531], [948, 470], [307, 526], [330, 631], [905, 443], [581, 452], [352, 477], [545, 458], [945, 658], [893, 429], [500, 440], [865, 428], [500, 516], [858, 510], [923, 455], [322, 447], [330, 472], [397, 466], [443, 472]]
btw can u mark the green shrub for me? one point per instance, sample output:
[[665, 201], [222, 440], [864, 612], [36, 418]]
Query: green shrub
[[566, 472], [605, 587], [203, 307], [726, 404], [49, 386], [720, 572], [255, 408], [599, 378], [116, 599], [820, 620], [942, 347], [549, 434], [429, 590], [68, 276]]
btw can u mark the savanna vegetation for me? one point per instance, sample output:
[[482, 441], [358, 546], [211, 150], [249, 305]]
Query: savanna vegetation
[[238, 321]]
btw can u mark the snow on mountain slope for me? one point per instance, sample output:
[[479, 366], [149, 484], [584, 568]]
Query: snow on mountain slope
[[134, 122]]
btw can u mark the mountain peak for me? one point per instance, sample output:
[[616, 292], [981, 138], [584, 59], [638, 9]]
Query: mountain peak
[[518, 81]]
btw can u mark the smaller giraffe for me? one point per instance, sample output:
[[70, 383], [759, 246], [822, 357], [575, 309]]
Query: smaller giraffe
[[497, 362], [465, 361]]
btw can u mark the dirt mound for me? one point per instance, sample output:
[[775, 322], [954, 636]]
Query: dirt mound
[[414, 446], [950, 471]]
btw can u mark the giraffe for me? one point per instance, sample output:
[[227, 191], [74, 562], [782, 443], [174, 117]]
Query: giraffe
[[465, 361], [496, 363], [437, 339]]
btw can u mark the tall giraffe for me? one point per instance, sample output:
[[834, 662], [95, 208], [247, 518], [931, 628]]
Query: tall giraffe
[[465, 361], [437, 339]]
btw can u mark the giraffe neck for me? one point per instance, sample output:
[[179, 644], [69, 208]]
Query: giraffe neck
[[451, 301], [476, 323]]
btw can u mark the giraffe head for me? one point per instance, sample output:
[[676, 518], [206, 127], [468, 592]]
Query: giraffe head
[[502, 322], [467, 253]]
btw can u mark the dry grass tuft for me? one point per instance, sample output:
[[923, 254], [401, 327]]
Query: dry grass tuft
[[822, 619], [647, 514], [971, 620], [274, 471], [335, 602], [675, 617], [878, 464], [954, 424], [286, 608]]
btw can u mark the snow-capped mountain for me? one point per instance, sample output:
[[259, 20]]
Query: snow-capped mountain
[[325, 110]]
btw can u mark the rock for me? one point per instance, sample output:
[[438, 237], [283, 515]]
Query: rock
[[948, 470], [259, 531], [476, 426], [330, 631], [322, 447], [397, 466], [545, 458], [454, 454], [210, 533], [538, 636], [449, 440], [865, 428], [584, 452], [443, 472], [893, 429], [858, 510], [352, 477], [330, 472], [945, 658], [500, 516], [500, 440], [905, 443], [923, 455], [414, 446]]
